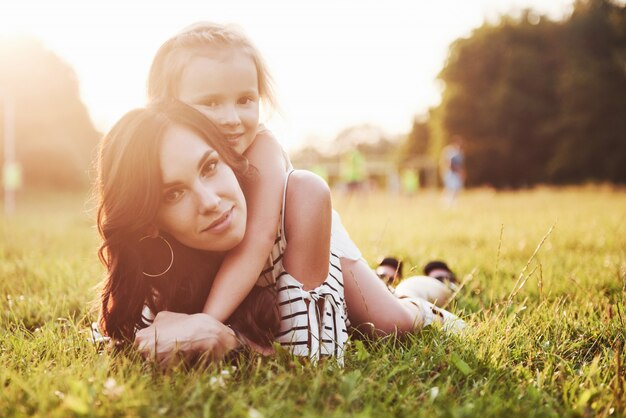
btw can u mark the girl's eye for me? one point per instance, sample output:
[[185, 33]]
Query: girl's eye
[[172, 196], [209, 103], [208, 168], [246, 100]]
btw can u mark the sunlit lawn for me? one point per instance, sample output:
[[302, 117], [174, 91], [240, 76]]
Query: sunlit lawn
[[546, 339]]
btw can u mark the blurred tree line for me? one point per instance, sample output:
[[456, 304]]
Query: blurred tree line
[[536, 100], [54, 137]]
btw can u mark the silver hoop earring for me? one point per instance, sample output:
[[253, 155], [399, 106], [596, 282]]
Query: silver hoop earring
[[171, 253]]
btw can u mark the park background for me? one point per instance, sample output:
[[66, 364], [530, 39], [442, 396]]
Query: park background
[[536, 88], [538, 99]]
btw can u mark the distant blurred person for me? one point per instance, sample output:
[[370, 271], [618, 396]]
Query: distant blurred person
[[453, 169], [353, 170], [410, 182]]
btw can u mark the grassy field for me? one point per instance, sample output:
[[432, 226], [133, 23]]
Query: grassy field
[[545, 277]]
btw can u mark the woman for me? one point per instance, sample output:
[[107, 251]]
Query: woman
[[171, 208]]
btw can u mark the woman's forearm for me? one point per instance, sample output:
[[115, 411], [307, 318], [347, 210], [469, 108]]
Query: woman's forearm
[[173, 335]]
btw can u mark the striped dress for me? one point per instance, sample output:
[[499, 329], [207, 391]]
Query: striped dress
[[313, 323]]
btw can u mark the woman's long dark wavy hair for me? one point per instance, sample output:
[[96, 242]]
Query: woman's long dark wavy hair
[[129, 190]]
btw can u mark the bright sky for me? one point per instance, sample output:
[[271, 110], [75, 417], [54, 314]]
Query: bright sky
[[336, 63]]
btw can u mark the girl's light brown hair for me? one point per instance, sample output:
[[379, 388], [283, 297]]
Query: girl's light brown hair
[[201, 39]]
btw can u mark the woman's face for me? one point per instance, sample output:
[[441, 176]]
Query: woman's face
[[202, 204]]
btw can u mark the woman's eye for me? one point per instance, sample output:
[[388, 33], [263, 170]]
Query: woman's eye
[[173, 196], [208, 168]]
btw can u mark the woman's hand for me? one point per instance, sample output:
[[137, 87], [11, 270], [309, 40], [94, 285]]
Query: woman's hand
[[173, 336]]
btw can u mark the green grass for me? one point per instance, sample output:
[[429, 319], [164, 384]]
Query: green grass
[[546, 336]]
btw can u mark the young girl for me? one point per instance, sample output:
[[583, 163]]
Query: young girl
[[218, 70]]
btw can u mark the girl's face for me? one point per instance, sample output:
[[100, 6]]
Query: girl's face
[[202, 204], [224, 86]]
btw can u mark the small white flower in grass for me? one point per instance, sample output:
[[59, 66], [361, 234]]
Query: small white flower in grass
[[253, 413], [433, 392], [111, 389], [223, 376], [217, 381], [59, 394]]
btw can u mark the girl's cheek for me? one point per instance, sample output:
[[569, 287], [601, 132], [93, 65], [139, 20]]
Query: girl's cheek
[[254, 113], [211, 115]]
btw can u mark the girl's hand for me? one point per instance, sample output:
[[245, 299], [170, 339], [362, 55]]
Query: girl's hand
[[174, 336]]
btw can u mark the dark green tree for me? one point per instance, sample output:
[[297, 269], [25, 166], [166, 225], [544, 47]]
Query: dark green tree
[[499, 96], [591, 91], [539, 100]]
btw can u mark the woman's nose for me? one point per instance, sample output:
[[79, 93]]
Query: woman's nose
[[208, 199]]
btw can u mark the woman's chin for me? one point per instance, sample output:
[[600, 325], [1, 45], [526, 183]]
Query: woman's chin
[[222, 244]]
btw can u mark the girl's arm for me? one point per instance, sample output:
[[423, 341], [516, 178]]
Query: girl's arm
[[264, 194]]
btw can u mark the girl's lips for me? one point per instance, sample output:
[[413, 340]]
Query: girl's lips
[[234, 138], [221, 223]]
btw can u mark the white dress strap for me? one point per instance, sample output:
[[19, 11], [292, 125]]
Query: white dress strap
[[282, 212]]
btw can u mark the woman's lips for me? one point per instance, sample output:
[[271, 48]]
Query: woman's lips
[[221, 223]]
